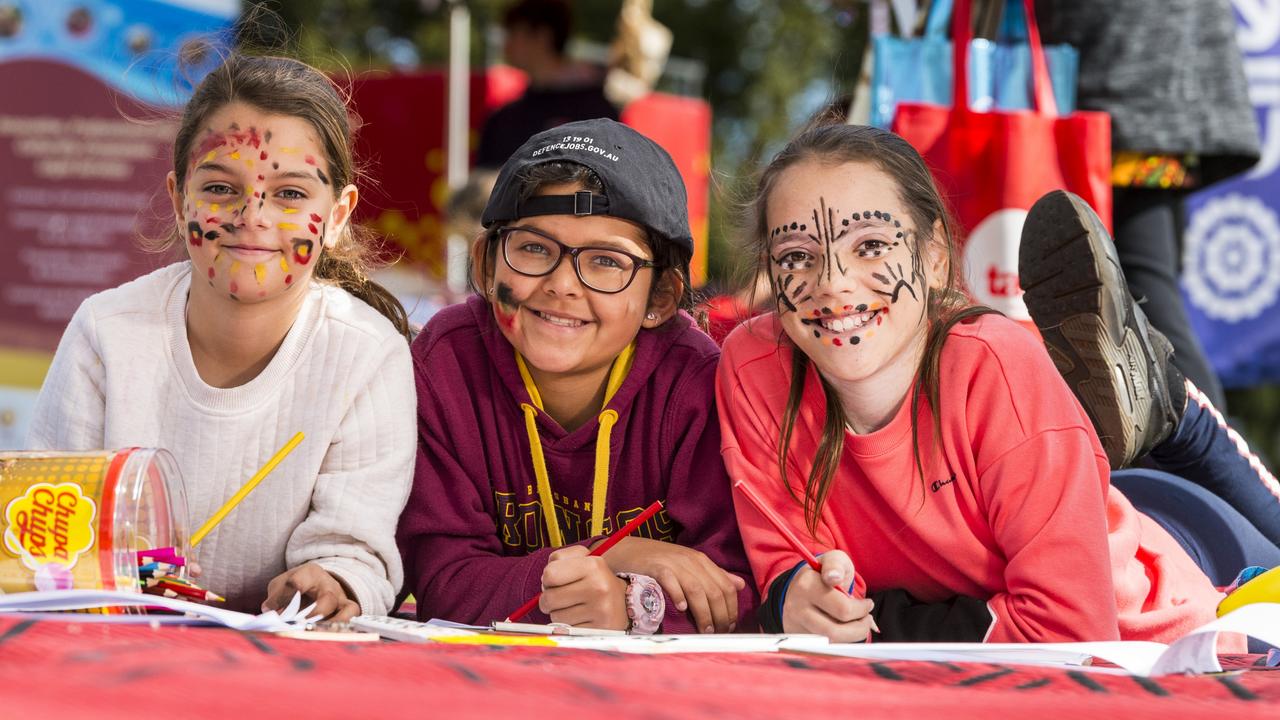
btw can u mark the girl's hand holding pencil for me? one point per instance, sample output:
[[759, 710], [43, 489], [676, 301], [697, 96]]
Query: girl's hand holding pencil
[[811, 606], [818, 602], [579, 589]]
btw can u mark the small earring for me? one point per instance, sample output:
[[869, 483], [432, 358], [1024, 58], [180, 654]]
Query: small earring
[[651, 316], [490, 291]]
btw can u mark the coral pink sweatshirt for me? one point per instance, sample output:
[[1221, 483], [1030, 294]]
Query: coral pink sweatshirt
[[1013, 534]]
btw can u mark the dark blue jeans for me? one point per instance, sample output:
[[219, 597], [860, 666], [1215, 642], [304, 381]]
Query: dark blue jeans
[[1206, 451], [1218, 538]]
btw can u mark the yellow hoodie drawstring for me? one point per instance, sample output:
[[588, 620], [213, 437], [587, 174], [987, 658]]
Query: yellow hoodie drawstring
[[607, 418]]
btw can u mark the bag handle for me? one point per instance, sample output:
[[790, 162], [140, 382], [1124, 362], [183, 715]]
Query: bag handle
[[962, 33], [935, 24]]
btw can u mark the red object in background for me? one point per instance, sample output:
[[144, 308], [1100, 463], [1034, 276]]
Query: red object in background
[[724, 313], [993, 166], [682, 126], [402, 147]]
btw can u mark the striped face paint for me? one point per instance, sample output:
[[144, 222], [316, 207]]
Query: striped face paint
[[843, 261], [256, 204]]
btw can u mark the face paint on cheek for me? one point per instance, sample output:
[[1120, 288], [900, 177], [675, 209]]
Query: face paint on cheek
[[194, 235], [302, 250], [284, 268], [507, 307], [782, 282]]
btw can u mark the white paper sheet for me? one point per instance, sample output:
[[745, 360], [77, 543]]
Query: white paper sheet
[[291, 618], [663, 644], [1194, 653]]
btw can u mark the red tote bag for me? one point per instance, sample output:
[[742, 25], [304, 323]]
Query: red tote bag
[[992, 166]]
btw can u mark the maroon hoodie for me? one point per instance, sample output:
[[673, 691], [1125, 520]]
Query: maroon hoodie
[[473, 536]]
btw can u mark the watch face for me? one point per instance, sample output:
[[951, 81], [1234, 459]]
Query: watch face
[[649, 601]]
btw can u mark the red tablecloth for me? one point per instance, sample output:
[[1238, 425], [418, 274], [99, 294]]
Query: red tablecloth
[[59, 669]]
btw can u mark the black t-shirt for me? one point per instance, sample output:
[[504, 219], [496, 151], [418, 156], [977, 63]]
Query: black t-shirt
[[537, 110]]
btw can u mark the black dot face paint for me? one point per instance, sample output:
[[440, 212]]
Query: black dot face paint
[[323, 178], [194, 235]]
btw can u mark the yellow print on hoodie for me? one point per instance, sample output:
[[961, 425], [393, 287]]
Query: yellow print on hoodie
[[521, 527]]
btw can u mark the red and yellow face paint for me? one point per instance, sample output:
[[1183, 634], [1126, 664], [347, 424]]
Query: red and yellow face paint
[[255, 204]]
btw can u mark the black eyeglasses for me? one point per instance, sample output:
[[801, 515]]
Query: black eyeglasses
[[534, 253]]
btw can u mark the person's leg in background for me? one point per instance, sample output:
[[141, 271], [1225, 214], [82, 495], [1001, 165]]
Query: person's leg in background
[[1220, 541], [1148, 238], [1120, 368], [1205, 450], [1216, 537]]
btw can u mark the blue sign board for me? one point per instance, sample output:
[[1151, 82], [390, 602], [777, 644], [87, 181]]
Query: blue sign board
[[1231, 255]]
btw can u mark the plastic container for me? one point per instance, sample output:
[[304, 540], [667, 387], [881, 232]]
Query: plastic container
[[77, 520]]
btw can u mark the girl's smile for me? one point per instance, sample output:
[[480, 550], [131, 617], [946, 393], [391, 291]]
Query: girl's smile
[[558, 322], [850, 322]]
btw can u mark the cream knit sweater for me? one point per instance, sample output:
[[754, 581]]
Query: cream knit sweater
[[123, 376]]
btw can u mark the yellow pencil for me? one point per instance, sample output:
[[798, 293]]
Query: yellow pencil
[[230, 505]]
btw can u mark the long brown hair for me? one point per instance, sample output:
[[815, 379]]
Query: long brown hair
[[283, 86], [834, 145]]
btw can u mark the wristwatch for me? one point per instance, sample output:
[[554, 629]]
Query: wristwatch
[[645, 604]]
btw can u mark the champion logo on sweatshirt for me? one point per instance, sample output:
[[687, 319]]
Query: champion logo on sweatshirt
[[937, 485]]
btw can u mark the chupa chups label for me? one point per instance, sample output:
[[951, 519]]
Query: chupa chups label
[[49, 528], [53, 511]]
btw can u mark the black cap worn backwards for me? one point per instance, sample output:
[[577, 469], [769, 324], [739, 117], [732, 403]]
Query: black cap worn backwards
[[641, 183]]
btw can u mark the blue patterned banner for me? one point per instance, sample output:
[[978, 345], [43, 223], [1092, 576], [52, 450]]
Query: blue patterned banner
[[1231, 256]]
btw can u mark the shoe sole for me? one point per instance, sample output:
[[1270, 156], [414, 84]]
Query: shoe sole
[[1092, 333]]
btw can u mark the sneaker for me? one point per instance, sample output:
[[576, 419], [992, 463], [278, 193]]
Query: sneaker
[[1114, 361]]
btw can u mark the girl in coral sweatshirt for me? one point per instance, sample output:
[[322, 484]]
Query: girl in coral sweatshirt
[[929, 446]]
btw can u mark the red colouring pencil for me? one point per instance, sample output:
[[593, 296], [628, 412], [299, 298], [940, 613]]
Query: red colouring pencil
[[190, 591], [599, 550], [779, 524]]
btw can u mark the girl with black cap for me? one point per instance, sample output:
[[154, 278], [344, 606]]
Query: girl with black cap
[[568, 394]]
